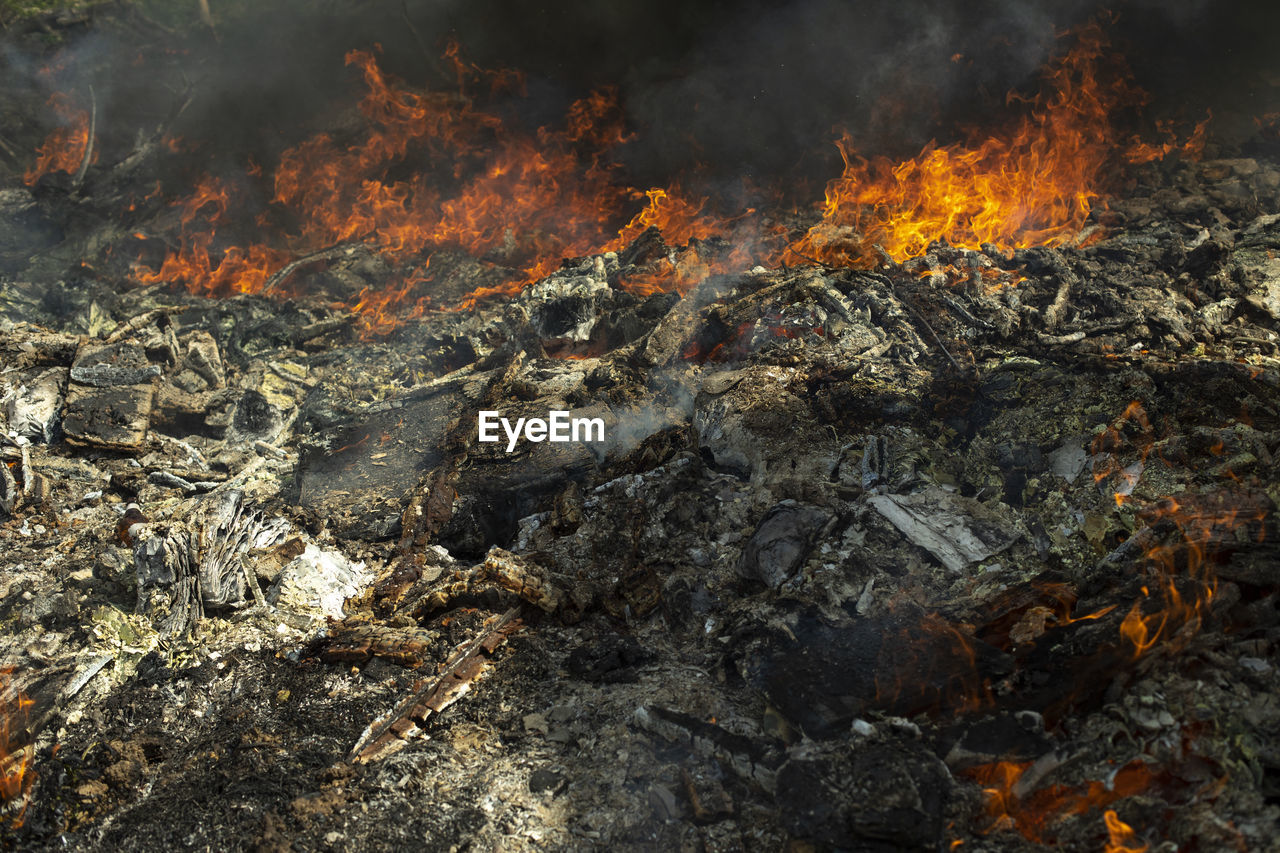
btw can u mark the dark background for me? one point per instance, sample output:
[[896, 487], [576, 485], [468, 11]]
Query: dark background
[[751, 90]]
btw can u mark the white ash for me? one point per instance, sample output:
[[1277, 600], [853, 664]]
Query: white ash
[[318, 580]]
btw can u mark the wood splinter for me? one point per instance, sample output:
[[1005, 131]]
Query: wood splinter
[[389, 732]]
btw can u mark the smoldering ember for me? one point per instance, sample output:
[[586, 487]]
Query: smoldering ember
[[927, 499]]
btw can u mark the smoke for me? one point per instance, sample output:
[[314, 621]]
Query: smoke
[[736, 90]]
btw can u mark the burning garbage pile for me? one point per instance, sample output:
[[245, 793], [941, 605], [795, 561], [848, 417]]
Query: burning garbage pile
[[939, 515]]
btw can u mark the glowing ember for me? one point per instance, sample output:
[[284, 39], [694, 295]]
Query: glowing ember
[[63, 150], [1032, 186]]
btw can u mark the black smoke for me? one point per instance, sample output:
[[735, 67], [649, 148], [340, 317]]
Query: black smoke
[[753, 90]]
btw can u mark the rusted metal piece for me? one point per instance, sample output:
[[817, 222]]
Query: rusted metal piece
[[389, 732]]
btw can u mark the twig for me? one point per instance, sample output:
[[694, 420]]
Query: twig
[[427, 54], [290, 268], [1059, 340], [885, 257], [964, 313], [413, 712], [920, 319], [88, 148], [1053, 314], [206, 17], [803, 256], [9, 152]]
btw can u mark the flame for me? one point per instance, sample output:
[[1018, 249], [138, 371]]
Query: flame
[[509, 198], [198, 263], [1033, 814], [1172, 613], [445, 170], [63, 149], [1200, 522], [15, 778], [1035, 185], [1105, 461], [1192, 148], [931, 663], [1121, 838]]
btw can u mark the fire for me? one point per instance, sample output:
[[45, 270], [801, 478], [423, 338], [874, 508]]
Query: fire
[[1179, 563], [1032, 186], [235, 270], [433, 171], [1106, 463], [1033, 814], [1201, 523], [1121, 838], [930, 663], [510, 198], [63, 150], [15, 778]]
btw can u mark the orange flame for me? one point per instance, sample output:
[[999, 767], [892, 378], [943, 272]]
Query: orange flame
[[63, 149], [15, 778], [1199, 521], [1112, 438], [513, 199], [1034, 813], [435, 170], [1121, 837], [931, 664], [1034, 186]]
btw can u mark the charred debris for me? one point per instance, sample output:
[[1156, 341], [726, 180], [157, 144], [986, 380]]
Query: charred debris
[[974, 550]]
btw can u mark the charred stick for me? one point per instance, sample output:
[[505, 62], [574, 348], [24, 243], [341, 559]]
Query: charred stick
[[290, 268], [964, 313], [920, 319], [319, 328], [206, 16], [812, 260], [1053, 314], [141, 321], [885, 258], [8, 491], [1066, 279], [754, 761], [431, 507], [9, 152], [1058, 340], [251, 581], [88, 146], [411, 713]]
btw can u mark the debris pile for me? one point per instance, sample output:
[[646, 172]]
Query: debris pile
[[900, 558]]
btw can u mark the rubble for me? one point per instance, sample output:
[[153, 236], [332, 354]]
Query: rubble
[[947, 526], [907, 557]]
